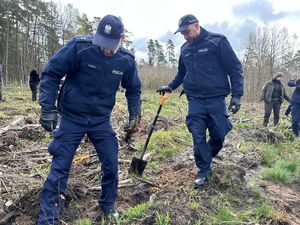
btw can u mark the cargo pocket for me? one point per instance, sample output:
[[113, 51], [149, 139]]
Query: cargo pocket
[[228, 124], [190, 122], [55, 146]]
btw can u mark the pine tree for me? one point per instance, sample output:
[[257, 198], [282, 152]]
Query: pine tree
[[151, 53], [170, 54], [159, 54]]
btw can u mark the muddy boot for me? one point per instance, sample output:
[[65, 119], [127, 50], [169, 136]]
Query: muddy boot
[[112, 214], [109, 215], [200, 182]]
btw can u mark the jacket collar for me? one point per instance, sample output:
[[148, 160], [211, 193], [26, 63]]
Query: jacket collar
[[202, 35]]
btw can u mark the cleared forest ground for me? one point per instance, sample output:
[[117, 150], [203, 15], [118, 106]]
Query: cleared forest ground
[[255, 180]]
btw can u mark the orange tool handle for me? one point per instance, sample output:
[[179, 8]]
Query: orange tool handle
[[164, 98], [79, 159]]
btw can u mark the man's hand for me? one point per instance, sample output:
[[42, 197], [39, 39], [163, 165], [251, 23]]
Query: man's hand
[[132, 127], [163, 89], [48, 119], [235, 104], [297, 82], [134, 124]]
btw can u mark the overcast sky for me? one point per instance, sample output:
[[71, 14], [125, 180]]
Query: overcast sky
[[158, 19]]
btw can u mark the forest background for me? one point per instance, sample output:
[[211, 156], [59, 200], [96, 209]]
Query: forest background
[[32, 31]]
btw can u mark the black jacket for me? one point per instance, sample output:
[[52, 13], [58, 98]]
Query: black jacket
[[34, 77]]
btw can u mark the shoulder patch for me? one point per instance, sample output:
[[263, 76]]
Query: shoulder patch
[[127, 52], [83, 39]]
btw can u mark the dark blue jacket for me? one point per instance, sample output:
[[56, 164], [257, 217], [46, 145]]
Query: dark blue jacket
[[204, 67], [296, 94], [88, 94]]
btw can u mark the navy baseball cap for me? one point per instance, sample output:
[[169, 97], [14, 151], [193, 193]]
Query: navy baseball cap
[[110, 30], [185, 21]]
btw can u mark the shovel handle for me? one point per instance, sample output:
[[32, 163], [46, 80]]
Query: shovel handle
[[164, 98]]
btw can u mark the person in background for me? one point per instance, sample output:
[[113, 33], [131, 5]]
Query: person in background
[[34, 80], [295, 105], [209, 70], [1, 82], [93, 67], [273, 94]]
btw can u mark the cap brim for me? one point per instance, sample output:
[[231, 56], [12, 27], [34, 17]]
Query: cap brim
[[105, 42], [180, 29]]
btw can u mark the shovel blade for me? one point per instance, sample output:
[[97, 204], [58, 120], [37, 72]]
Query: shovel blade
[[137, 166]]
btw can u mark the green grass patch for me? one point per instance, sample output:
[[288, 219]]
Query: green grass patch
[[242, 125], [263, 211], [83, 222], [225, 214], [162, 218], [245, 146], [271, 153], [193, 205], [167, 144], [137, 211], [46, 139], [44, 170], [284, 171], [173, 106]]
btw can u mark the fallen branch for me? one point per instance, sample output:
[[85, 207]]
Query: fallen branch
[[122, 184], [182, 141], [147, 182], [7, 219], [10, 126], [25, 126]]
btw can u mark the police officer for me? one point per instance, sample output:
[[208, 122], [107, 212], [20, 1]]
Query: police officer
[[295, 105], [206, 62], [34, 80], [94, 68]]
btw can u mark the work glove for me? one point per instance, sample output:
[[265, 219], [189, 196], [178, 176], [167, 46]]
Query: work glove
[[235, 104], [163, 89], [134, 124], [132, 127], [48, 119]]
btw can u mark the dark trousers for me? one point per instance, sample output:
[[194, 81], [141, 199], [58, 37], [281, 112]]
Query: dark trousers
[[207, 114], [0, 94], [295, 118], [275, 105], [33, 88], [63, 147]]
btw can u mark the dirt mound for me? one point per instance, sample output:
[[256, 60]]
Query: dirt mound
[[10, 138], [263, 135], [228, 176], [171, 176], [33, 134]]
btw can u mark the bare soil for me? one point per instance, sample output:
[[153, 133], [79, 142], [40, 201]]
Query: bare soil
[[23, 157]]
